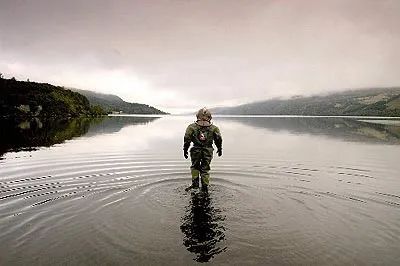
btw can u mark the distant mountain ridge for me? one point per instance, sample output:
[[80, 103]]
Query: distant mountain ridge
[[363, 102], [113, 103]]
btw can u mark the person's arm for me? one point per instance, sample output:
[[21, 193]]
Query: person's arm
[[218, 140], [187, 140]]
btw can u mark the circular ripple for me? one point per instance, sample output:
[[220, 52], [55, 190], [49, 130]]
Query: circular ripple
[[126, 203]]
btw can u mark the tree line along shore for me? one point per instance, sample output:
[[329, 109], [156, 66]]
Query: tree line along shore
[[26, 99]]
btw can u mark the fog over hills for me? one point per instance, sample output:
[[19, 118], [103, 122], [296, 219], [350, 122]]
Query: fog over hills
[[363, 102], [181, 55]]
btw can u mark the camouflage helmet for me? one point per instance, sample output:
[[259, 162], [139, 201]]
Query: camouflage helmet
[[204, 117]]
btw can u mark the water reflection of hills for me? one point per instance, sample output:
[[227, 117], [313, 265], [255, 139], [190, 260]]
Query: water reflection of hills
[[30, 135], [116, 123], [348, 129]]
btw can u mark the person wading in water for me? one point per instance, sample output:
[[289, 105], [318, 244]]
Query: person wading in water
[[203, 134]]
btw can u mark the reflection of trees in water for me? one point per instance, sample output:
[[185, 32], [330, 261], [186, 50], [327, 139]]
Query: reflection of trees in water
[[202, 227], [29, 135], [348, 129]]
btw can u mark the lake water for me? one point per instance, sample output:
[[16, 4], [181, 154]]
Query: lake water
[[305, 191]]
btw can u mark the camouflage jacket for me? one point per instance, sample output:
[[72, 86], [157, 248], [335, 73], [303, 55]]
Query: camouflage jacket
[[202, 137]]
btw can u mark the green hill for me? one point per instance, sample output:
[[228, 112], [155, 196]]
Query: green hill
[[24, 99], [113, 103], [363, 102]]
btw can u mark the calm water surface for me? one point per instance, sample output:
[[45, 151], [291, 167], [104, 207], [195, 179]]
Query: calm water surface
[[315, 191]]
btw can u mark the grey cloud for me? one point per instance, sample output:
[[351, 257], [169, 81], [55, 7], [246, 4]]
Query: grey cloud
[[211, 51]]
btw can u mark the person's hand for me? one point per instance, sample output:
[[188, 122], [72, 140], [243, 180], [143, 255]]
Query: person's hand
[[219, 152], [185, 154]]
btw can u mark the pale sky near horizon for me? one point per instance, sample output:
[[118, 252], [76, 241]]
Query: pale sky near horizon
[[182, 55]]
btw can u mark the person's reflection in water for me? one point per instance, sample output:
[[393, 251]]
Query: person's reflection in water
[[202, 227]]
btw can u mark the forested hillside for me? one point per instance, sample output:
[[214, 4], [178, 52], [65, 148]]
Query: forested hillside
[[366, 102], [31, 99], [113, 103]]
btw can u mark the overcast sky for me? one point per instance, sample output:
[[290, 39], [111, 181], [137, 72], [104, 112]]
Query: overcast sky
[[182, 55]]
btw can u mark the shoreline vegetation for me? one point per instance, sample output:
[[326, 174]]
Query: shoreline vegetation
[[21, 100]]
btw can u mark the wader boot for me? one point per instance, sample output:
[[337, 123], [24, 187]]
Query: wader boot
[[195, 178]]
